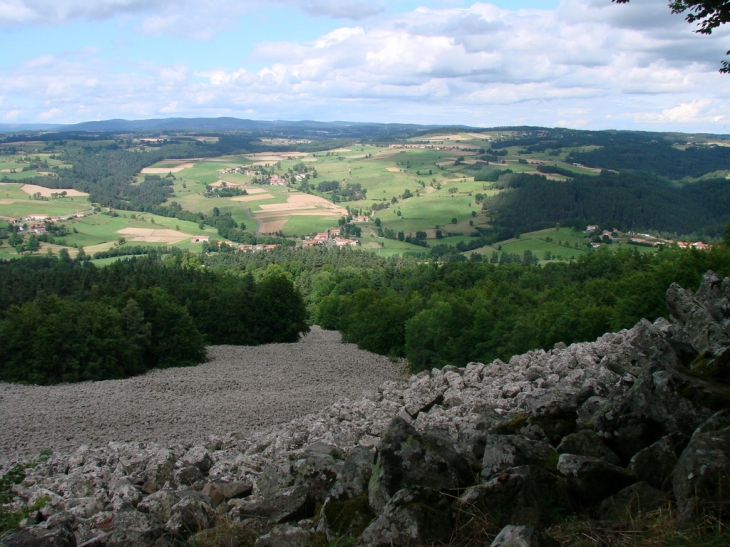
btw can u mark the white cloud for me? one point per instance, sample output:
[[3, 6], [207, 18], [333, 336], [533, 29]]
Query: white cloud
[[589, 63], [48, 114], [166, 15], [691, 112]]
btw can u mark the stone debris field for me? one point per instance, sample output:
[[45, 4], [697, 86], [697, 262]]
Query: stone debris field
[[239, 389]]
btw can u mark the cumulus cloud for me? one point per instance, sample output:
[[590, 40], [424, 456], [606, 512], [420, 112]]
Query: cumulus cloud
[[704, 110], [589, 63], [166, 15]]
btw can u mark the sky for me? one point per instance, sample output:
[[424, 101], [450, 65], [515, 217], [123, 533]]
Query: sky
[[585, 64]]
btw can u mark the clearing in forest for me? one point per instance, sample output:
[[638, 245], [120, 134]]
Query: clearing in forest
[[154, 236]]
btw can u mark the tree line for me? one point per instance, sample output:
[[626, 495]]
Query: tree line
[[64, 320]]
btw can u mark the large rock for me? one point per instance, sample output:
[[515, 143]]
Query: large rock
[[504, 451], [189, 515], [655, 464], [287, 505], [406, 458], [523, 536], [592, 479], [696, 323], [345, 517], [355, 474], [587, 443], [315, 473], [59, 536], [412, 517], [631, 502], [285, 535], [199, 457], [702, 475], [526, 495]]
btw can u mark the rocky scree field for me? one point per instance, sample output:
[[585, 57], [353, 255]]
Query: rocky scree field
[[607, 434]]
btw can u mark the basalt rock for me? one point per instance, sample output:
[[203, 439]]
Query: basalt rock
[[592, 479], [702, 475], [525, 495], [407, 458], [523, 536], [411, 518], [631, 502]]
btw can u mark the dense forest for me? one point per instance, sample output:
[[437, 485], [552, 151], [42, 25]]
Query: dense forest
[[658, 157], [628, 200], [64, 320], [438, 314]]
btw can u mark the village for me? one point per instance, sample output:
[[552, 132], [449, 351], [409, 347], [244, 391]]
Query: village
[[602, 237]]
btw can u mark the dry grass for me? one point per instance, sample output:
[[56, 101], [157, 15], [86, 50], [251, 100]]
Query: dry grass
[[653, 529], [255, 197], [272, 226], [165, 170], [154, 236], [31, 189]]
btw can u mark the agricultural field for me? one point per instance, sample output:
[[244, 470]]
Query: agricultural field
[[423, 184]]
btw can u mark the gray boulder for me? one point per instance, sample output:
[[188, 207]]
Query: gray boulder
[[525, 495], [199, 457], [131, 529], [523, 536], [412, 517], [592, 479], [587, 443], [655, 463], [60, 536], [188, 475], [504, 451], [287, 505], [190, 515], [346, 517], [285, 535], [702, 475], [406, 458], [473, 435], [632, 502], [354, 476], [314, 472]]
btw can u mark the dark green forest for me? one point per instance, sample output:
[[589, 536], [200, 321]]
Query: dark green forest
[[438, 314], [658, 157], [628, 200], [65, 320]]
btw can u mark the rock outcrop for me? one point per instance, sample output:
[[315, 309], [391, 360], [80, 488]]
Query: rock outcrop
[[637, 419]]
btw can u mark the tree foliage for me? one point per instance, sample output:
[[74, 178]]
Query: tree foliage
[[68, 321]]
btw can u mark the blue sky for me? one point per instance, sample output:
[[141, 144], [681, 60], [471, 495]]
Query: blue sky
[[573, 63]]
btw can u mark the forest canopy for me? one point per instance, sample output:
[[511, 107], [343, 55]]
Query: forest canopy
[[68, 321]]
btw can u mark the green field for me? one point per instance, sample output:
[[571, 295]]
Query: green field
[[434, 169]]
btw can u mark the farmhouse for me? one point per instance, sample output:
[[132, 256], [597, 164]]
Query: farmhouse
[[37, 217], [361, 219], [201, 239], [276, 180], [335, 232], [592, 228], [257, 248], [341, 242]]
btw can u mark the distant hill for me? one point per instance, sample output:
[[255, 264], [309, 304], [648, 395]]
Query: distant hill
[[15, 127], [223, 124]]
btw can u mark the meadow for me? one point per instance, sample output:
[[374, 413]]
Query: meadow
[[435, 173]]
